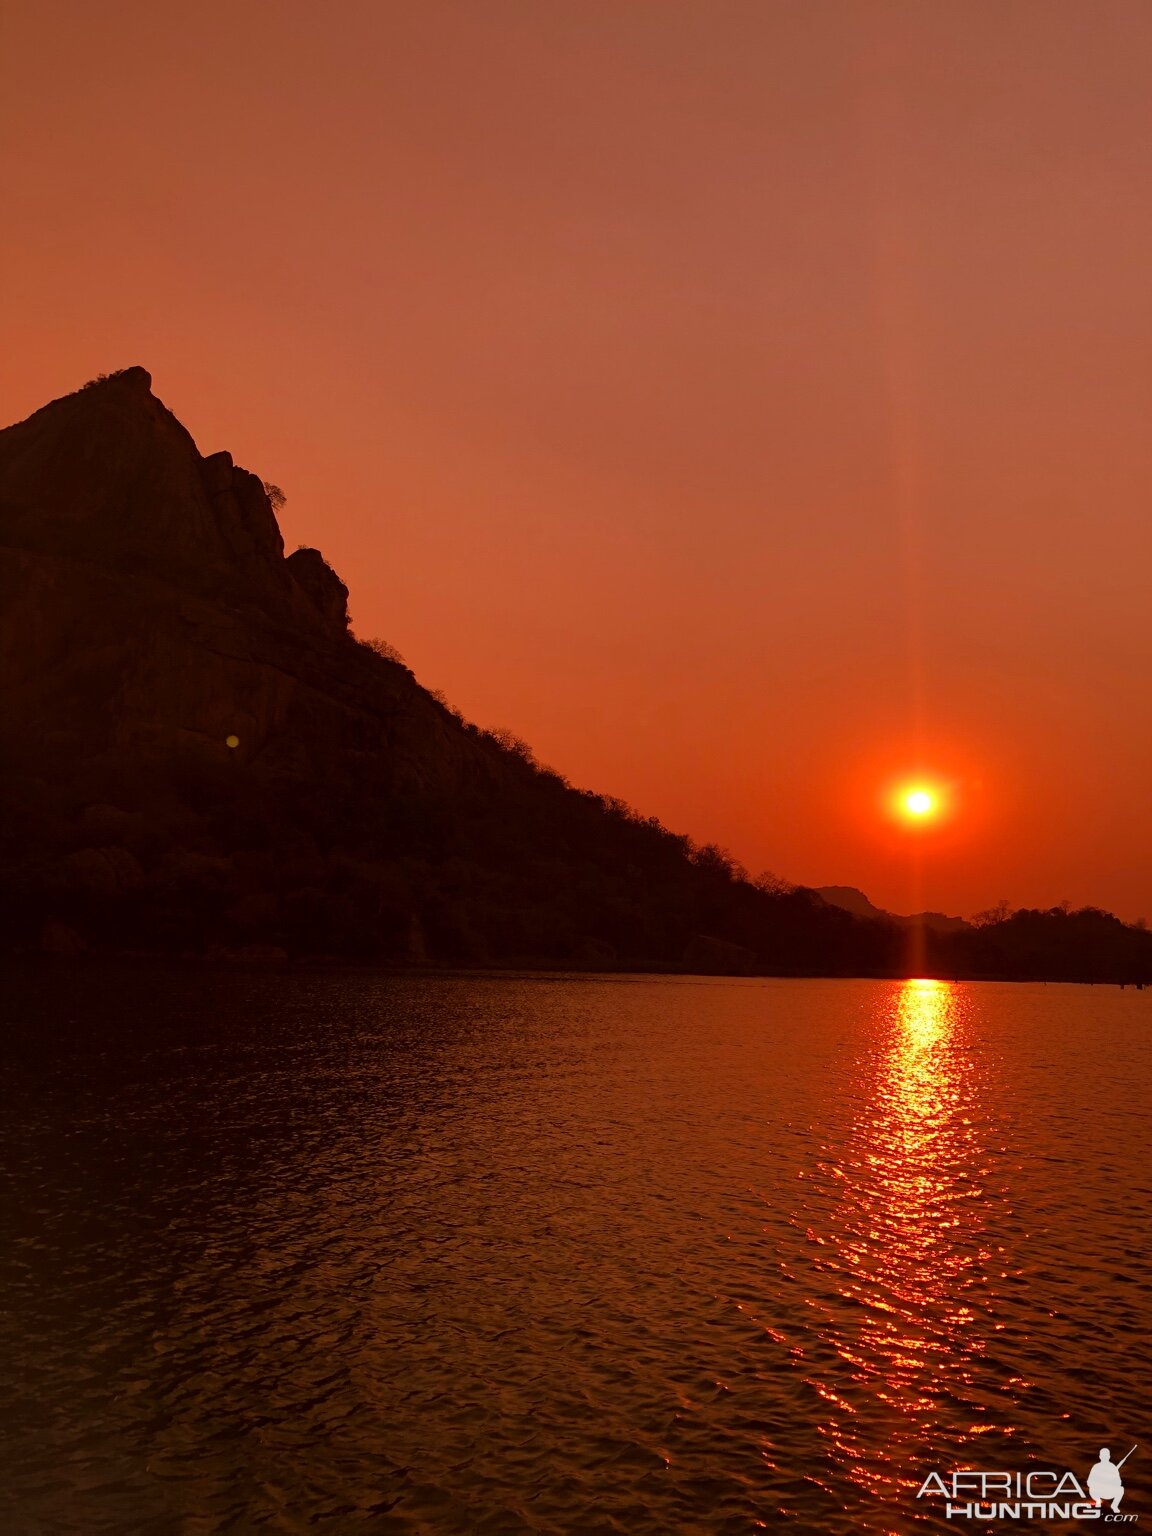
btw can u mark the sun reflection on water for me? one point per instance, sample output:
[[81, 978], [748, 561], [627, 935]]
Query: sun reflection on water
[[899, 1212]]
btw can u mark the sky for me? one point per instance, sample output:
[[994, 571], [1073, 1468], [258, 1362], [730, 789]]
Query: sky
[[746, 402]]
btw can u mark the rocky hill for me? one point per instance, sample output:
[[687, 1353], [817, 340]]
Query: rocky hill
[[198, 757]]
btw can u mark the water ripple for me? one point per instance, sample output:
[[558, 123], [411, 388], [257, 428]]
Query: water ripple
[[562, 1255]]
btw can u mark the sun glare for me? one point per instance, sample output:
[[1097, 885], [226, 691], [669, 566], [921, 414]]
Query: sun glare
[[919, 803]]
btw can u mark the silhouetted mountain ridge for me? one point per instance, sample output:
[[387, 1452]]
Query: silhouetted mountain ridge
[[197, 756], [849, 899]]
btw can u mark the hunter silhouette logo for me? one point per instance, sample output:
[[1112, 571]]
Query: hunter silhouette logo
[[969, 1494], [1104, 1479]]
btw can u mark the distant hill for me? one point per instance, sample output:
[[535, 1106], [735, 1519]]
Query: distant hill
[[198, 757], [849, 899]]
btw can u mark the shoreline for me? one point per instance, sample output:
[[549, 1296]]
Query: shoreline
[[230, 963]]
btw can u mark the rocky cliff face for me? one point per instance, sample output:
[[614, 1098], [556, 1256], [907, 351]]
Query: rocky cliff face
[[108, 476], [146, 604], [194, 749]]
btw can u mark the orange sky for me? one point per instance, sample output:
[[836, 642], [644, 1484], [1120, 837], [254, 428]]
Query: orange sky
[[742, 400]]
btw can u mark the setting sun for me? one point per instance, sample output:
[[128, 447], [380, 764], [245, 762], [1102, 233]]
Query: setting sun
[[919, 802]]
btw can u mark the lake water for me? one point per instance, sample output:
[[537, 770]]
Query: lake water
[[565, 1254]]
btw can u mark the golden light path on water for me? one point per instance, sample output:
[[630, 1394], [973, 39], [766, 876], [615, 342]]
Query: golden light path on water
[[901, 1248]]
